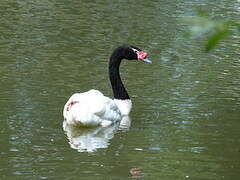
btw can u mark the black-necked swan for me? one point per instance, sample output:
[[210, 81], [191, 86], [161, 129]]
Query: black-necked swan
[[92, 108]]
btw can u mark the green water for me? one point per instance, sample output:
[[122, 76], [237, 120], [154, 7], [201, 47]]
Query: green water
[[186, 105]]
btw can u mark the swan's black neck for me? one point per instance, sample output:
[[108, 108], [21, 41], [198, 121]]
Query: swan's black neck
[[118, 88]]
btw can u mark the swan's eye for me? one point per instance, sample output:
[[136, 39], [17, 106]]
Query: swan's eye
[[135, 50]]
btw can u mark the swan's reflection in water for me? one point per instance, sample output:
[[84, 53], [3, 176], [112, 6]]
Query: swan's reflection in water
[[91, 139]]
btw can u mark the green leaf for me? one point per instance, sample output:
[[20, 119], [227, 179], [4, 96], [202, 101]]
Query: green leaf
[[202, 26], [214, 39]]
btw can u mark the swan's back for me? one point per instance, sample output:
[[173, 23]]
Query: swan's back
[[90, 109]]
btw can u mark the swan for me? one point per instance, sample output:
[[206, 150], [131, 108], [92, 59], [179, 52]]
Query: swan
[[92, 108]]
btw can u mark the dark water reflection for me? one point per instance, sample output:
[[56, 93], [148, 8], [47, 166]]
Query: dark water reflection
[[185, 118]]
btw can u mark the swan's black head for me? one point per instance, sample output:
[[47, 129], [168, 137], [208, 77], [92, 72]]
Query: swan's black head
[[120, 53], [132, 53]]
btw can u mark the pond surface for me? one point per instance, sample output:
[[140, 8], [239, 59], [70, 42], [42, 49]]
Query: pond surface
[[186, 105]]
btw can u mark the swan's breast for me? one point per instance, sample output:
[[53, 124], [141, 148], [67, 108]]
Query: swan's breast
[[124, 106]]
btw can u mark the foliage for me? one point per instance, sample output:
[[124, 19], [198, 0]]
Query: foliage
[[215, 30]]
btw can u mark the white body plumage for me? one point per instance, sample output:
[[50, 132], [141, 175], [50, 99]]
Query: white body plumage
[[92, 108]]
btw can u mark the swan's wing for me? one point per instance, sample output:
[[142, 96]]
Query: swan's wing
[[109, 110], [90, 109], [104, 107]]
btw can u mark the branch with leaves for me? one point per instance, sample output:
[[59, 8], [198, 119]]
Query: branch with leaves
[[202, 25]]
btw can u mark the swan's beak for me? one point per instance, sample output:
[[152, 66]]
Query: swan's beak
[[142, 56], [147, 60]]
